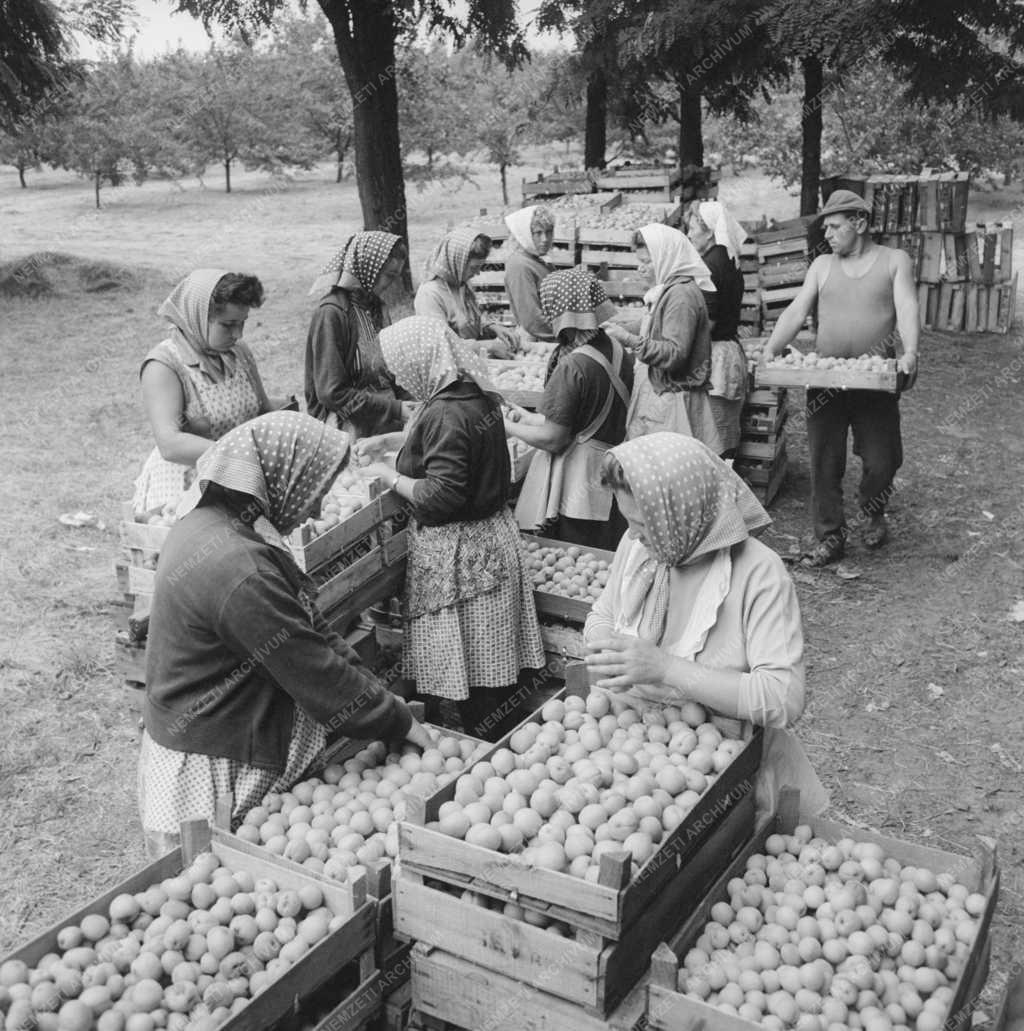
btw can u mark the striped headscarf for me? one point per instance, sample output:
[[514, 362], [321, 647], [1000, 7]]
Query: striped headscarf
[[691, 503], [451, 257], [187, 308], [287, 461], [425, 355], [362, 257]]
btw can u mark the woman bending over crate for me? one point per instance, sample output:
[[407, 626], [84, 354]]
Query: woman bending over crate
[[674, 346], [347, 383], [695, 609], [470, 620], [718, 238], [198, 383], [244, 681], [445, 292], [533, 230]]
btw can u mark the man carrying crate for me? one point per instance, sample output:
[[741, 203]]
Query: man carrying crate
[[860, 293]]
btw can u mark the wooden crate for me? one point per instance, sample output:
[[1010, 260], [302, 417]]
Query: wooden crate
[[990, 309], [764, 476], [950, 307], [670, 1010], [990, 253], [451, 994], [760, 446], [557, 185], [775, 375], [593, 972], [607, 908], [571, 610], [312, 552], [351, 943], [562, 644], [762, 418]]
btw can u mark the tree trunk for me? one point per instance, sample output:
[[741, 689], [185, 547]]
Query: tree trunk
[[96, 186], [430, 158], [364, 35], [810, 131], [339, 149], [503, 170], [596, 133], [21, 177], [227, 175], [691, 138]]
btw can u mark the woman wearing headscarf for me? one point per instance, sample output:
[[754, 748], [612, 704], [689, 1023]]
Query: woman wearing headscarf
[[445, 292], [198, 383], [244, 680], [347, 383], [695, 609], [582, 414], [533, 230], [471, 624], [718, 237], [674, 346]]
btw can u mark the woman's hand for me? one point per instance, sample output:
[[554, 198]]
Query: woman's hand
[[373, 449], [382, 470], [622, 661], [409, 409], [499, 349], [506, 335], [516, 413], [420, 736]]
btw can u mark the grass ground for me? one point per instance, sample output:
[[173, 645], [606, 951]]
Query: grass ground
[[914, 663]]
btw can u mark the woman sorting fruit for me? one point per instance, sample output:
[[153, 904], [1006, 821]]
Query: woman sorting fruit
[[198, 383], [695, 609], [445, 292], [244, 681], [718, 238], [470, 620], [582, 414], [533, 231], [674, 346], [347, 384]]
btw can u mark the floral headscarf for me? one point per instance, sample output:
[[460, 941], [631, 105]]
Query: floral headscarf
[[725, 229], [187, 308], [451, 257], [672, 254], [360, 260], [521, 225], [287, 461], [692, 504], [425, 355]]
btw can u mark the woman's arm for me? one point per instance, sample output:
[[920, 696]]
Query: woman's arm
[[523, 291], [674, 332], [541, 432], [164, 401]]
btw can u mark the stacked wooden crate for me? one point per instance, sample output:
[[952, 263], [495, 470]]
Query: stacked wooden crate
[[761, 457], [557, 184], [485, 955], [641, 182], [750, 312], [782, 262]]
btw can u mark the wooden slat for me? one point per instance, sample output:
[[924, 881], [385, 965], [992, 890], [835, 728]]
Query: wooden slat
[[143, 536], [792, 376], [335, 590], [377, 589]]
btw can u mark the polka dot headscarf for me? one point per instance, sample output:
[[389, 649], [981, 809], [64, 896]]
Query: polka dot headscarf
[[287, 461], [425, 355], [451, 256], [187, 308], [691, 503], [574, 299], [362, 257]]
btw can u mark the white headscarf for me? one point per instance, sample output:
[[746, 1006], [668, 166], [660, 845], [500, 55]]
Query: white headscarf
[[520, 225], [725, 229], [673, 254]]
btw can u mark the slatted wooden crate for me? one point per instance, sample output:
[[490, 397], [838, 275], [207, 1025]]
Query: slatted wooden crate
[[351, 944], [776, 374], [990, 309], [594, 972], [764, 476], [557, 184], [671, 1010], [652, 182], [556, 606], [990, 253]]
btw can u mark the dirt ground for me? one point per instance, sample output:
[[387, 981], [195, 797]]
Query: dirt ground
[[914, 653]]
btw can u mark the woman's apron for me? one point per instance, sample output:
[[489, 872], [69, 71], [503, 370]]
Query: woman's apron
[[569, 484]]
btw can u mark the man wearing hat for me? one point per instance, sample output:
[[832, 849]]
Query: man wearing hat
[[861, 293]]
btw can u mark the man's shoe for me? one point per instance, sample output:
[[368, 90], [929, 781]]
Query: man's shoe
[[877, 532], [825, 552]]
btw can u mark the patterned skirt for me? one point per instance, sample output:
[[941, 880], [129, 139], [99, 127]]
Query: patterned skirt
[[479, 641], [176, 786]]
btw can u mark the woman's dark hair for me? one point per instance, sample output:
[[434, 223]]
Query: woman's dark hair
[[481, 246], [638, 239], [613, 475], [236, 288]]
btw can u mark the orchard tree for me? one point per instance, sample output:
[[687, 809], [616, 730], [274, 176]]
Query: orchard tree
[[366, 33]]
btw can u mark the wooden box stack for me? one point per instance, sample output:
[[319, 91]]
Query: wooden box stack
[[782, 263], [750, 312], [471, 963], [761, 457], [558, 184], [641, 182]]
